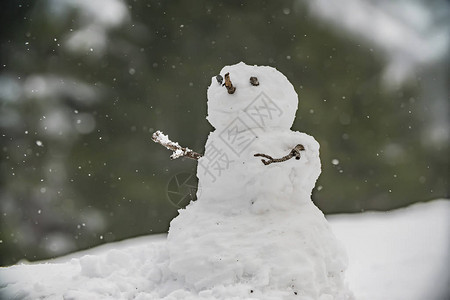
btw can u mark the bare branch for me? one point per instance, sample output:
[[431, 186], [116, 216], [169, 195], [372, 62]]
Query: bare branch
[[178, 151], [295, 152]]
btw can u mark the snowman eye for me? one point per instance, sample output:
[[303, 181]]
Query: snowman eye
[[254, 81], [219, 79]]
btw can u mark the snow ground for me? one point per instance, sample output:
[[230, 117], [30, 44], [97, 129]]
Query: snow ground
[[397, 255]]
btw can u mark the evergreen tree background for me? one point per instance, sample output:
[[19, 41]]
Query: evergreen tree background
[[78, 167]]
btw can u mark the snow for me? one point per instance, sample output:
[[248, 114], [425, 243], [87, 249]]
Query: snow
[[274, 96], [253, 229], [161, 138], [401, 254], [397, 255], [177, 153], [254, 225], [253, 232]]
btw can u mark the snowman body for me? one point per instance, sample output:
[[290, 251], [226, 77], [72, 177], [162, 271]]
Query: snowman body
[[255, 225]]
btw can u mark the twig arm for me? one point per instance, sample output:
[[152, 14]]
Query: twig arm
[[295, 152], [178, 151]]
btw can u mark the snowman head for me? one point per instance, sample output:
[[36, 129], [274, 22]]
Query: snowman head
[[259, 96]]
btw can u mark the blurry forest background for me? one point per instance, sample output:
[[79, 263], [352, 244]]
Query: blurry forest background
[[85, 83]]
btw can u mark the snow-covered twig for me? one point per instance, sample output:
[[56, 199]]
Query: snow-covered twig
[[294, 153], [178, 151]]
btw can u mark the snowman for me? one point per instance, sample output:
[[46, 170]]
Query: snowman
[[254, 230]]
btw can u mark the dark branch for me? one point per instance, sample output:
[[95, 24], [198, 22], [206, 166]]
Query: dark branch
[[294, 153]]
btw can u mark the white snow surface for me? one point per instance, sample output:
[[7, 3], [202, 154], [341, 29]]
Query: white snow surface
[[396, 255], [402, 254]]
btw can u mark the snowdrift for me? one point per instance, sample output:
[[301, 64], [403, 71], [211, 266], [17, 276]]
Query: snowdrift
[[397, 255]]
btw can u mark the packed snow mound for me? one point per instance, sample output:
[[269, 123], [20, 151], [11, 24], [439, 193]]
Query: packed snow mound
[[274, 95], [403, 254], [230, 183], [397, 255], [255, 224]]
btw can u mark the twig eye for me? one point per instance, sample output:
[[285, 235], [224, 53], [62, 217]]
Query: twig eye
[[231, 89], [219, 79], [254, 81]]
